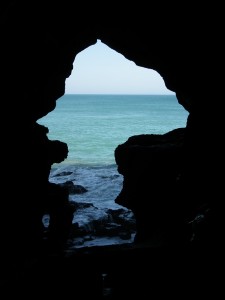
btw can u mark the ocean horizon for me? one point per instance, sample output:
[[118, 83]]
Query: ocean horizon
[[93, 125]]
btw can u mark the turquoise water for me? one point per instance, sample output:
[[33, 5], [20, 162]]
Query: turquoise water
[[94, 125]]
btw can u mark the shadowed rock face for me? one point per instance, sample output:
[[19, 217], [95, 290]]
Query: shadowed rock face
[[155, 189], [39, 43], [151, 166]]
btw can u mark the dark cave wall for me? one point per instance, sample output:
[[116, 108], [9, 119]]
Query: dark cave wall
[[39, 48], [39, 43]]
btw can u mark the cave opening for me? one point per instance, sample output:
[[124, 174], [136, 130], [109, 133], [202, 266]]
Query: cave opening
[[107, 99], [35, 50]]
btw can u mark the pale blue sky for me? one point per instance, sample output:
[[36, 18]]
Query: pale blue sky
[[100, 70]]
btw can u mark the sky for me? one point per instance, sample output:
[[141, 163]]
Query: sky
[[101, 70]]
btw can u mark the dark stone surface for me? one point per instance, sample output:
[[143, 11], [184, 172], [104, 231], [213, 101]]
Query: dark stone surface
[[151, 166]]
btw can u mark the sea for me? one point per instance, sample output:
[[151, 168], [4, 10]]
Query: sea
[[93, 125]]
